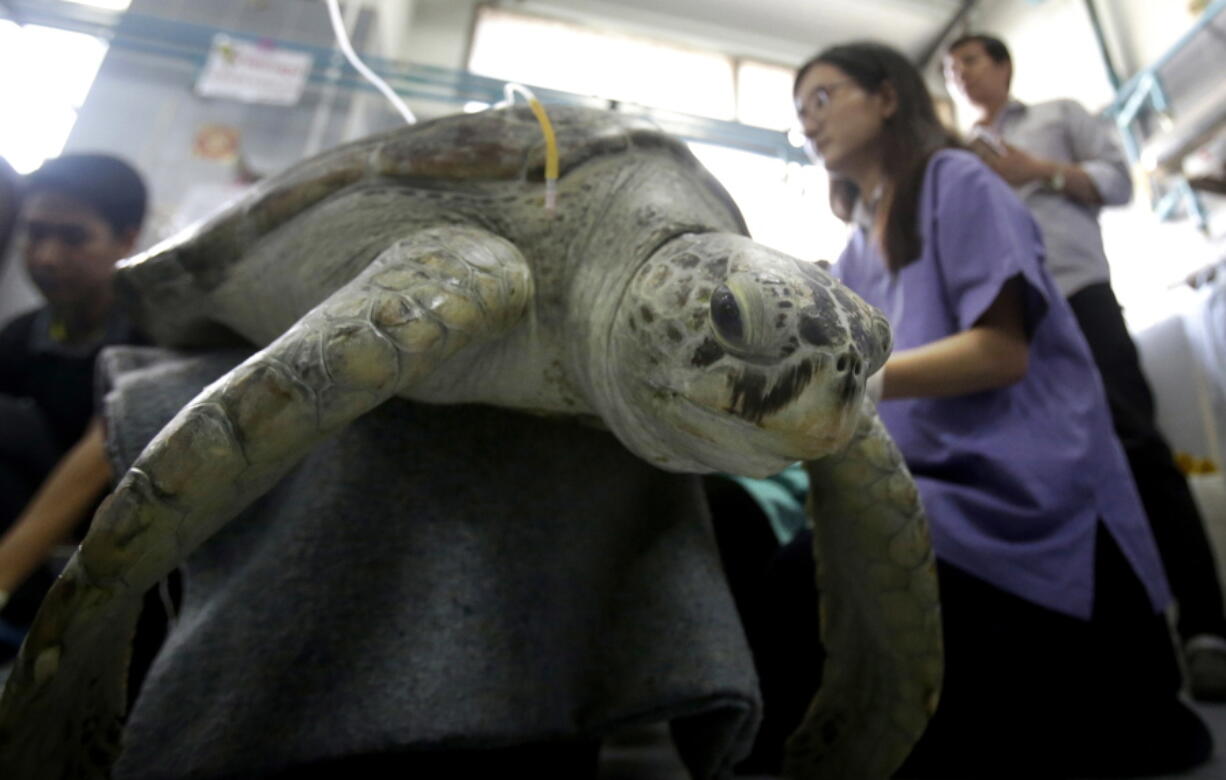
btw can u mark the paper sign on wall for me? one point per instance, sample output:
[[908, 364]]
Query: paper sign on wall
[[253, 72]]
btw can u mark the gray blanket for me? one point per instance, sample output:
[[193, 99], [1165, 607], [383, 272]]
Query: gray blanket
[[435, 576]]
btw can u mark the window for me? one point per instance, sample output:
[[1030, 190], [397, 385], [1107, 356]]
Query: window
[[764, 95], [584, 61], [613, 66], [45, 75], [785, 204]]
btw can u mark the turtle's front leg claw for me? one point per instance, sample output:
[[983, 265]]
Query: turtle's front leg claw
[[61, 720]]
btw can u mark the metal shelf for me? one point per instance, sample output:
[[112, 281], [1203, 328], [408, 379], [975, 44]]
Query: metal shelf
[[1163, 152]]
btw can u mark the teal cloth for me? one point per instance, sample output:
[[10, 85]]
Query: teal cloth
[[781, 498]]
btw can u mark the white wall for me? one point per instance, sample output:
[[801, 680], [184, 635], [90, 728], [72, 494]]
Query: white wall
[[1053, 47], [439, 33], [1184, 358], [1141, 31]]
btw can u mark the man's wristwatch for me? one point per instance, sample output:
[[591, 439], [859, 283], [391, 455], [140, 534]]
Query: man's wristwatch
[[1055, 182]]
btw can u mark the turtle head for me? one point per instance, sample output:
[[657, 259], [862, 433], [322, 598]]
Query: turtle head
[[734, 357]]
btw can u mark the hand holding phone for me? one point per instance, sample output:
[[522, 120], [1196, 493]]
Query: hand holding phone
[[984, 141]]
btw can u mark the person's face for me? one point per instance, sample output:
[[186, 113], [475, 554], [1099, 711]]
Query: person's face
[[69, 250], [841, 121], [976, 75]]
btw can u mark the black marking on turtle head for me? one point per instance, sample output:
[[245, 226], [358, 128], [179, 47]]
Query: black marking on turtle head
[[752, 401], [820, 324], [648, 315], [707, 353], [883, 335], [687, 260], [674, 333], [841, 294], [860, 335], [858, 320], [850, 387]]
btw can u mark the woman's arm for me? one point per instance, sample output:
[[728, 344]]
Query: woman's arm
[[992, 353], [60, 503]]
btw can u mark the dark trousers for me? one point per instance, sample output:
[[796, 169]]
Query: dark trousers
[[1177, 526], [1028, 692], [1032, 693]]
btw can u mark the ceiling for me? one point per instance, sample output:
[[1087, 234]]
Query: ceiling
[[787, 31]]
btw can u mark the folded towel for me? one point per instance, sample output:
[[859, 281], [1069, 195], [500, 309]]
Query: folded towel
[[434, 577]]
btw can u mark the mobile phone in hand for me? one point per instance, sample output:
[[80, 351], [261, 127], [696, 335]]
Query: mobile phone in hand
[[985, 141]]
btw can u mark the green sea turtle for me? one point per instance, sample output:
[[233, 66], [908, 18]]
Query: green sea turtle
[[422, 263]]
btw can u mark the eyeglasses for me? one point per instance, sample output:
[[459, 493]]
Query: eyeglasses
[[819, 98]]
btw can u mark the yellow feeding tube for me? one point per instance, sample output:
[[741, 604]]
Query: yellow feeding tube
[[551, 141]]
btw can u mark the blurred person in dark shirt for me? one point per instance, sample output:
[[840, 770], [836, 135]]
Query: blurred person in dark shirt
[[79, 215]]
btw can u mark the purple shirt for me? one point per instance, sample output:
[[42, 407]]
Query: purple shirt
[[1014, 480]]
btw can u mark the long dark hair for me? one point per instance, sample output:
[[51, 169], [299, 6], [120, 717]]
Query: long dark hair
[[910, 136]]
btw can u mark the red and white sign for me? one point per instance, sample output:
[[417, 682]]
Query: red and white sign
[[253, 72]]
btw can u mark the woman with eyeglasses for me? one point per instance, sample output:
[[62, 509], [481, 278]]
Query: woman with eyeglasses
[[1058, 659]]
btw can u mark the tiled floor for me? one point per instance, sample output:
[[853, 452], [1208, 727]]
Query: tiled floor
[[646, 753]]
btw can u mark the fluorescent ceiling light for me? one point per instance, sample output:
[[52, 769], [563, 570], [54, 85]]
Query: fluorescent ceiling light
[[108, 5]]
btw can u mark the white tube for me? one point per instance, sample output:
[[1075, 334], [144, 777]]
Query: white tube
[[342, 40], [510, 88]]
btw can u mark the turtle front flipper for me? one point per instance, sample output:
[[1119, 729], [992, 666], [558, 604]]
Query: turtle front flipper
[[880, 614], [424, 299]]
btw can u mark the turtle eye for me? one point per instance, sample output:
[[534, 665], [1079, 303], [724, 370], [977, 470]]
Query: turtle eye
[[726, 315]]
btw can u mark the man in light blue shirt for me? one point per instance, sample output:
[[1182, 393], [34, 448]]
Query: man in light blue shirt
[[1066, 164]]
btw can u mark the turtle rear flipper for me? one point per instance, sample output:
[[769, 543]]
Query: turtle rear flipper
[[880, 615], [424, 299]]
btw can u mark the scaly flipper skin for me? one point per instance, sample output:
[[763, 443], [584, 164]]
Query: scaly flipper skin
[[424, 299], [880, 615]]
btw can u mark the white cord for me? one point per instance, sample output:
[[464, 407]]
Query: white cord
[[509, 91], [342, 40]]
